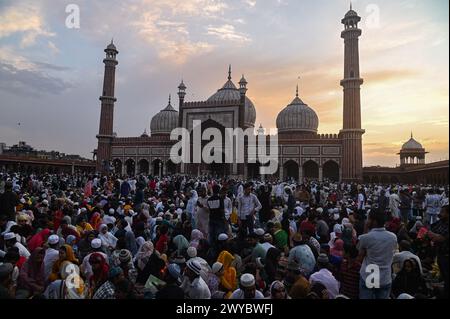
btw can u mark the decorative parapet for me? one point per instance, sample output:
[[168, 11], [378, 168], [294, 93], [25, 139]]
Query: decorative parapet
[[201, 104]]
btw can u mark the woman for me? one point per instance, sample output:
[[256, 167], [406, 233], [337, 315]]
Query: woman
[[196, 236], [181, 244], [228, 279], [100, 271], [31, 278], [65, 254], [409, 280], [143, 255], [271, 264], [109, 241], [278, 291], [95, 220], [192, 206], [38, 240], [148, 262]]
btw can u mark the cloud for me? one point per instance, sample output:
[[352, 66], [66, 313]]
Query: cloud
[[25, 20], [377, 76], [227, 32], [32, 82], [23, 77]]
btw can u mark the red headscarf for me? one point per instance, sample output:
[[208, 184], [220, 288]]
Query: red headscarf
[[38, 239], [95, 220], [100, 275]]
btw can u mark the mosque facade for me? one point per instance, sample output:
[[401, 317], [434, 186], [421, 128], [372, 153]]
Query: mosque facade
[[303, 153]]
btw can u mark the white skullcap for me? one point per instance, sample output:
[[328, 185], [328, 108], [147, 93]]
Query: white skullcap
[[111, 211], [247, 280], [53, 239], [22, 200], [192, 252], [216, 267], [194, 266], [9, 236], [45, 202], [223, 237], [405, 296], [96, 243], [259, 232], [319, 210]]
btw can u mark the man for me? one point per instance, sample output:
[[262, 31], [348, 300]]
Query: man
[[51, 255], [8, 201], [383, 201], [193, 285], [107, 290], [361, 199], [247, 289], [96, 247], [394, 202], [405, 206], [248, 206], [10, 240], [325, 277], [172, 289], [433, 204], [227, 204], [439, 236], [216, 206], [376, 249]]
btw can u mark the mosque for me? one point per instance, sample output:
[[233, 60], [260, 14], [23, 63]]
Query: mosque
[[303, 153]]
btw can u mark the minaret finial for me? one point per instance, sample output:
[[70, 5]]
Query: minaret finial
[[296, 91], [229, 72], [411, 134], [112, 40], [351, 6], [170, 98]]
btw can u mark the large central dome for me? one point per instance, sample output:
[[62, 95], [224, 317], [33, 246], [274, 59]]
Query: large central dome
[[165, 121], [297, 117], [229, 92]]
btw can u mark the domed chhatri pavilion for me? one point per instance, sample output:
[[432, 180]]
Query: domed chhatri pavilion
[[303, 153]]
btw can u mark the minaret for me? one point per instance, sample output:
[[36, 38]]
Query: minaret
[[351, 133], [105, 133], [181, 95], [242, 91]]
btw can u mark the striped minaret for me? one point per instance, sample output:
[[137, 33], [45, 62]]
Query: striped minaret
[[352, 132], [105, 133]]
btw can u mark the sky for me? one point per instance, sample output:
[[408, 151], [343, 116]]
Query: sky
[[51, 75]]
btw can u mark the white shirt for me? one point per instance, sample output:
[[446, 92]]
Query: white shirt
[[198, 289], [227, 206], [246, 205]]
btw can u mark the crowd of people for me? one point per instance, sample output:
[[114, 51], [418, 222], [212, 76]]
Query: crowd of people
[[183, 237]]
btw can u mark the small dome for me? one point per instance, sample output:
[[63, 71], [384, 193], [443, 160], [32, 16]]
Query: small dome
[[351, 13], [297, 117], [111, 47], [229, 92], [412, 144], [165, 121]]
